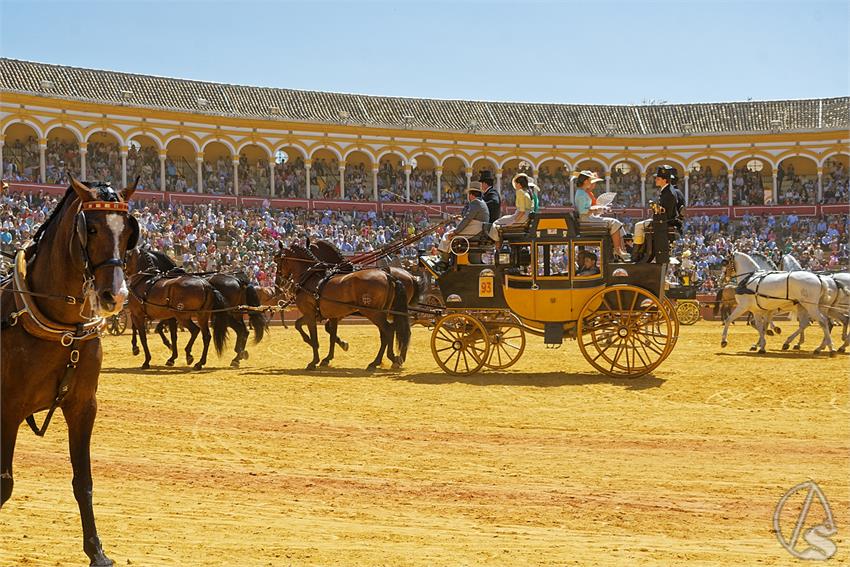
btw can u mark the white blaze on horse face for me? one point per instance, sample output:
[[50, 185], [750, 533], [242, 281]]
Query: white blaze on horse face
[[116, 224]]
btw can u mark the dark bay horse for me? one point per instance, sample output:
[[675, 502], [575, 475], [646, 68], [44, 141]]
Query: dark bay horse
[[374, 293], [236, 289], [184, 298], [52, 309]]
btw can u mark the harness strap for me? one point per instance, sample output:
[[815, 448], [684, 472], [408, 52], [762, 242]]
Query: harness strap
[[62, 389]]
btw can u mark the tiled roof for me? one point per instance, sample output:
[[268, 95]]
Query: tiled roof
[[111, 87]]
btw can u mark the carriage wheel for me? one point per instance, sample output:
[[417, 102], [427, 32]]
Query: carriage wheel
[[688, 312], [118, 323], [460, 344], [671, 311], [625, 331], [507, 343]]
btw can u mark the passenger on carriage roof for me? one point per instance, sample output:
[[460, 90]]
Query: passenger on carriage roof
[[524, 205], [475, 215], [585, 200], [490, 195]]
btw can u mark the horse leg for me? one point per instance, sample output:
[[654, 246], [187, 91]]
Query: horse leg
[[193, 334], [238, 325], [139, 324], [314, 342], [80, 419], [342, 344], [330, 327], [802, 322], [823, 320], [761, 325], [206, 335], [160, 330], [299, 326], [383, 328], [172, 327], [133, 342], [739, 310], [7, 452]]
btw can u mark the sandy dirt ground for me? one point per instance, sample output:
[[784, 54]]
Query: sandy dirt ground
[[548, 463]]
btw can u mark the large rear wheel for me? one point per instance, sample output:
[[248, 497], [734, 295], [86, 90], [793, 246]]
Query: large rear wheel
[[460, 344], [625, 331]]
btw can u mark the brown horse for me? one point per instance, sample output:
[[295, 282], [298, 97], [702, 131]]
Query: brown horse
[[374, 293], [184, 298], [53, 307]]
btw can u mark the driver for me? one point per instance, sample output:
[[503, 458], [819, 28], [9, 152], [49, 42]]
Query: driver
[[475, 214]]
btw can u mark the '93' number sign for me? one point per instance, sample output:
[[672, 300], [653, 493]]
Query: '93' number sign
[[485, 284]]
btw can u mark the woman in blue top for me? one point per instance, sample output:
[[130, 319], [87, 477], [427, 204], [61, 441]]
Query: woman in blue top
[[584, 200]]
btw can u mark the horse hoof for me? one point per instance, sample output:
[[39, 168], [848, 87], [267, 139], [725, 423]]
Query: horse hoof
[[344, 346], [842, 350], [372, 366], [762, 351], [199, 366], [102, 561], [325, 362], [311, 366], [244, 355], [234, 364], [169, 362], [396, 366], [769, 333], [753, 348], [817, 351], [723, 344], [784, 347], [777, 330], [796, 347], [189, 360], [146, 365], [136, 351], [831, 354]]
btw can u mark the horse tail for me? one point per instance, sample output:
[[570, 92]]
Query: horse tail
[[401, 321], [258, 320], [220, 321], [417, 291]]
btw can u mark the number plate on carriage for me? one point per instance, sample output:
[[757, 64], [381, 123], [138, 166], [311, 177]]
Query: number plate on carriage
[[485, 283]]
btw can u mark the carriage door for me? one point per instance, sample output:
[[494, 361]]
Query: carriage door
[[588, 269], [552, 298]]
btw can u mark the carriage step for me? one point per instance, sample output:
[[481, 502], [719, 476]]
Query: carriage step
[[553, 333]]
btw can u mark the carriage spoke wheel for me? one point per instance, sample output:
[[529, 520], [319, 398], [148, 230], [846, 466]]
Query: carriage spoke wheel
[[507, 343], [674, 319], [688, 312], [460, 344], [117, 324], [625, 331]]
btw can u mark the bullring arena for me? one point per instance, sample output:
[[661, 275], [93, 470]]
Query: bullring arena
[[548, 462]]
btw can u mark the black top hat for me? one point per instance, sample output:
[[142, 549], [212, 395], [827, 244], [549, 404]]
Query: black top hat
[[484, 176], [667, 172]]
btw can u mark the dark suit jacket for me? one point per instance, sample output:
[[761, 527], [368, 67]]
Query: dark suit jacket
[[474, 210], [673, 202], [494, 204]]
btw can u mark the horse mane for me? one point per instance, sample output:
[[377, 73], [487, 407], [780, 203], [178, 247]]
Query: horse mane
[[763, 261], [302, 252], [327, 252], [790, 263], [162, 260]]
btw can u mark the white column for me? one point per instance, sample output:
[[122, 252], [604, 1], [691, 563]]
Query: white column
[[199, 162], [307, 167], [2, 170], [607, 181], [468, 176], [375, 181], [731, 190], [271, 179], [42, 159], [775, 189], [163, 155], [499, 181], [124, 150], [236, 175], [439, 184], [572, 189], [342, 180], [820, 185], [643, 189], [687, 188], [83, 151], [407, 183]]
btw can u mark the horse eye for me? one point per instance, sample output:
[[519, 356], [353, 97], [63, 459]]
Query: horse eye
[[92, 230]]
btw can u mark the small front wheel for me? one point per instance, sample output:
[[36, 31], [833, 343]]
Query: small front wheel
[[460, 344]]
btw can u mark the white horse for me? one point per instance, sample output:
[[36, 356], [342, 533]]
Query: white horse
[[764, 293], [838, 310]]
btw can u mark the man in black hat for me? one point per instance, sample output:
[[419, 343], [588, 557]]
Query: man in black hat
[[475, 214], [670, 198], [491, 196]]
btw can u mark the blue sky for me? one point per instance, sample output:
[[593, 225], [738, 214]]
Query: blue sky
[[580, 52]]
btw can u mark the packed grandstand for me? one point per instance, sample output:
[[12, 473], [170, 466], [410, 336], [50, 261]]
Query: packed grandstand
[[226, 171]]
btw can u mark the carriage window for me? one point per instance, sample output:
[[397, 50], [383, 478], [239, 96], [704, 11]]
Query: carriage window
[[522, 259], [553, 260], [588, 260]]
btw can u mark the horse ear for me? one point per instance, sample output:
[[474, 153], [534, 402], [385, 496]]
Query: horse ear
[[127, 192], [83, 192]]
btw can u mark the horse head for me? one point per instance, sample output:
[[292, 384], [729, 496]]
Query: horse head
[[102, 232], [790, 263]]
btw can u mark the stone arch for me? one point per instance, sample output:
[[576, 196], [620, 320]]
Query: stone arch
[[454, 180], [150, 134], [836, 178], [391, 179], [58, 124], [626, 173], [267, 150], [181, 171], [708, 184], [103, 157], [217, 168], [326, 147], [143, 160], [21, 153], [14, 120], [98, 132], [291, 145], [387, 150], [709, 155], [546, 159], [461, 156], [324, 172], [363, 150], [510, 167], [752, 187], [423, 177], [483, 162], [591, 164], [358, 175], [652, 164], [830, 155], [290, 173], [62, 154], [226, 142], [797, 179], [188, 138], [553, 178], [253, 169]]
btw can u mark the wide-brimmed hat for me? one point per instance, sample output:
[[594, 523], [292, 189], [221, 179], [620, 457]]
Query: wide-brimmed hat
[[484, 176], [474, 186], [587, 174]]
